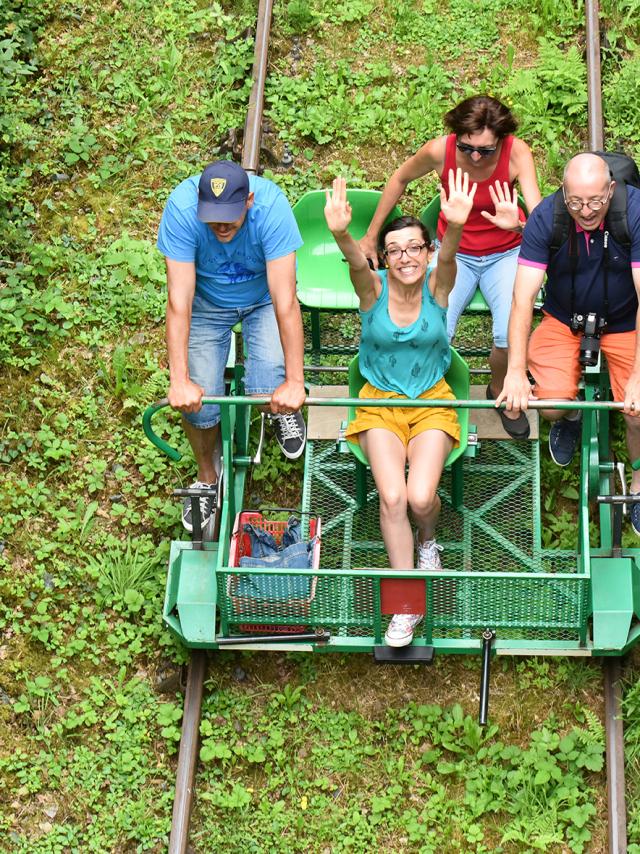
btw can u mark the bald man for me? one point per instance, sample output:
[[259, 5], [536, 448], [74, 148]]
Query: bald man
[[590, 273]]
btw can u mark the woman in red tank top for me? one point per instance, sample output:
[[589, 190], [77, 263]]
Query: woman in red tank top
[[481, 143]]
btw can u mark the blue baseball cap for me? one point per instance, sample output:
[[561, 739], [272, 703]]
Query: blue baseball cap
[[222, 192]]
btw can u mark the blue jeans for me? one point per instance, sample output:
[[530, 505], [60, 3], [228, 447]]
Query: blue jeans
[[209, 343], [494, 275], [293, 554]]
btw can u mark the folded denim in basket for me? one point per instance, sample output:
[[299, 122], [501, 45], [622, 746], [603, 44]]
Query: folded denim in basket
[[265, 553]]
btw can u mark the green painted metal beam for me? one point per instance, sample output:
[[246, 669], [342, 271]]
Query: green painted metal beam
[[191, 597], [615, 585]]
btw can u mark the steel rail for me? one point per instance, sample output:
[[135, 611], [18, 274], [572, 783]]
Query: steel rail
[[594, 85], [189, 737], [616, 805], [253, 123], [185, 774]]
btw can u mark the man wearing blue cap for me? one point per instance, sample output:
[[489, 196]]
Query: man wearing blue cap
[[229, 242]]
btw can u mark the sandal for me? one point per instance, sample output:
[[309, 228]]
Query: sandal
[[517, 428]]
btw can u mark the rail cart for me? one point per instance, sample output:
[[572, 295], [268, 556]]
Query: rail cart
[[501, 591]]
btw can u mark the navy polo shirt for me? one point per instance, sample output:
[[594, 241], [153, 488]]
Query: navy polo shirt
[[589, 280]]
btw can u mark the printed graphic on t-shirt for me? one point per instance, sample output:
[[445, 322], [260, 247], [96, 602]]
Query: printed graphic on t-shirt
[[235, 272]]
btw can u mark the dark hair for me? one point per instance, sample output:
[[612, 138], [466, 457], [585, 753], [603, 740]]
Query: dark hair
[[481, 111], [399, 223]]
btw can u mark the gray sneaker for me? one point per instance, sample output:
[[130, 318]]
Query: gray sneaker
[[207, 506], [291, 433]]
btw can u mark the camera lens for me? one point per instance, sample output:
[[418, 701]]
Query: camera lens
[[589, 349]]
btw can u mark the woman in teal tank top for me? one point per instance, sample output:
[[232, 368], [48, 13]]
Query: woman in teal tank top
[[404, 352]]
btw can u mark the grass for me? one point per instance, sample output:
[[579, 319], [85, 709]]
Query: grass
[[105, 109]]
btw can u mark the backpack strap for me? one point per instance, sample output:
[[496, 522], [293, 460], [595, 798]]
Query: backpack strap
[[561, 223], [616, 220]]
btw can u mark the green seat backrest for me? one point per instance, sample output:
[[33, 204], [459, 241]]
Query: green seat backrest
[[458, 378], [429, 217], [322, 275]]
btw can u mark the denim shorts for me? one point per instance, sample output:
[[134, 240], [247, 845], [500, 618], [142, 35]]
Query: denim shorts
[[494, 275], [209, 344]]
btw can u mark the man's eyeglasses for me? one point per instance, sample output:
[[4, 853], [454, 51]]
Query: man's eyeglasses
[[576, 205], [413, 251], [483, 150]]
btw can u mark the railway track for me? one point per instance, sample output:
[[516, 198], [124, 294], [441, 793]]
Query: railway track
[[616, 804], [197, 668]]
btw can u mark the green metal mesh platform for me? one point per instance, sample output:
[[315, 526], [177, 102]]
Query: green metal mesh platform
[[503, 579]]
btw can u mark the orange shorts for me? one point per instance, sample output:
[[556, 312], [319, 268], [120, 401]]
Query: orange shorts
[[406, 423], [554, 365]]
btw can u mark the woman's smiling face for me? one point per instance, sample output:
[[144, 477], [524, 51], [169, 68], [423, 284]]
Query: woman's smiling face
[[407, 268]]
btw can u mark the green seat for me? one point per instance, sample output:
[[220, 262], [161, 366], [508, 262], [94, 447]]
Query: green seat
[[323, 281], [429, 217], [323, 277], [458, 378]]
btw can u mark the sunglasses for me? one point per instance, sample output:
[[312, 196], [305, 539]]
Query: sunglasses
[[483, 151]]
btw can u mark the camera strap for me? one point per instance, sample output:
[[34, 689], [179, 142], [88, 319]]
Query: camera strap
[[573, 266], [605, 238]]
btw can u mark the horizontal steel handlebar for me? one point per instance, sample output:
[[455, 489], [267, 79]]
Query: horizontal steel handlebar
[[365, 402], [618, 499]]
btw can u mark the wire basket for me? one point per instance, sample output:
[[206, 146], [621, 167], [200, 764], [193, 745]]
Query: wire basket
[[279, 596]]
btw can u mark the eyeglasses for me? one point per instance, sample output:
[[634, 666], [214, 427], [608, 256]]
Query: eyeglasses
[[413, 250], [483, 150], [576, 205]]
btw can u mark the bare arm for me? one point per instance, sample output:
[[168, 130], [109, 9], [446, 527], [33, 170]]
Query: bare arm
[[632, 389], [337, 212], [281, 278], [456, 207], [526, 174], [427, 159], [181, 282], [516, 390]]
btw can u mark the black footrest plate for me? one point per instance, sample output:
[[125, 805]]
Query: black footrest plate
[[411, 654]]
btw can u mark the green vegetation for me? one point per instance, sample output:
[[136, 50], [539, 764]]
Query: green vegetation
[[103, 109]]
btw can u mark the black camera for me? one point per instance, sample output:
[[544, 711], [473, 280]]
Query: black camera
[[591, 326]]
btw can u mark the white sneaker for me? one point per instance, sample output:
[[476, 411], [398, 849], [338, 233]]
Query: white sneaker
[[429, 556], [400, 629]]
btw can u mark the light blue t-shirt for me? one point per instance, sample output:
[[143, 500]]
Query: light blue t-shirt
[[406, 359], [234, 274]]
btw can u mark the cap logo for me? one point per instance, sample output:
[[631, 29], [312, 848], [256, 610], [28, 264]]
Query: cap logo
[[217, 186]]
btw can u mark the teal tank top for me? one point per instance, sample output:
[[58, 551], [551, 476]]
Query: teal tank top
[[405, 359]]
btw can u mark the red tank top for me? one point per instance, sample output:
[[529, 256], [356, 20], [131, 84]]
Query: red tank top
[[479, 236]]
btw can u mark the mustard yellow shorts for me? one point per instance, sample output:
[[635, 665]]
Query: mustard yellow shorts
[[406, 423]]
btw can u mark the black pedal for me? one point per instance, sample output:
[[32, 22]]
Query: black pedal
[[411, 654], [197, 491]]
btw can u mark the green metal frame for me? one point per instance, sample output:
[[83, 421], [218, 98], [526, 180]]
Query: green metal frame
[[497, 574]]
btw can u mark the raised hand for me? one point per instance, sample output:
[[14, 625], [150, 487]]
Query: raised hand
[[505, 201], [337, 210], [457, 205]]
